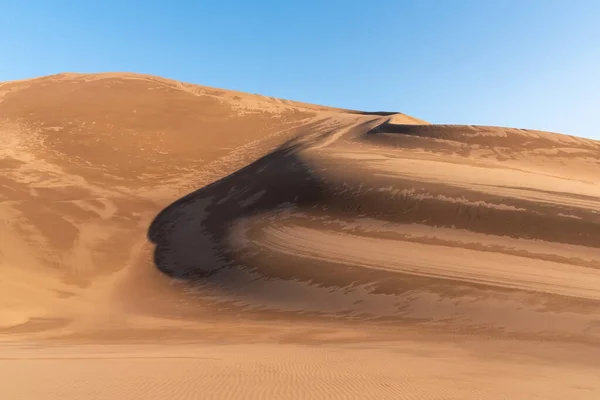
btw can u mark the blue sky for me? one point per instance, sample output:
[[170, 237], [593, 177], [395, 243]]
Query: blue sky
[[523, 63]]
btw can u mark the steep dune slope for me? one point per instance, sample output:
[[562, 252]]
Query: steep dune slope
[[88, 160], [407, 221], [465, 227]]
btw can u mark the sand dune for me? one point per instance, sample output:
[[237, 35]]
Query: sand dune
[[348, 254]]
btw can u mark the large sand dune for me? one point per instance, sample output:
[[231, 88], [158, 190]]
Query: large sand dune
[[202, 243]]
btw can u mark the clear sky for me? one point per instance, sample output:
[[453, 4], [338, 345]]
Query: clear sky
[[523, 63]]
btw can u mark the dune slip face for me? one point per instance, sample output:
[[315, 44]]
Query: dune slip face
[[383, 221], [136, 210]]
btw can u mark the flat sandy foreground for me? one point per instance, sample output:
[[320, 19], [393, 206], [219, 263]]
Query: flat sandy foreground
[[407, 369], [160, 240]]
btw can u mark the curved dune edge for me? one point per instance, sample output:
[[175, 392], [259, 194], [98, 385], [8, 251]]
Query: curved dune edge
[[540, 274]]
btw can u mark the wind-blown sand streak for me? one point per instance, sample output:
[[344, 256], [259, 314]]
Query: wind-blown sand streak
[[424, 259]]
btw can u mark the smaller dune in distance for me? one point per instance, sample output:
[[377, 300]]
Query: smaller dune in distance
[[160, 239]]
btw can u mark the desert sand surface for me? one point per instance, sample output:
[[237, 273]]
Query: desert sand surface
[[162, 240]]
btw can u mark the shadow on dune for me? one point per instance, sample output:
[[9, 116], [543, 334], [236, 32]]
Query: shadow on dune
[[222, 239], [191, 235], [193, 239], [482, 136]]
